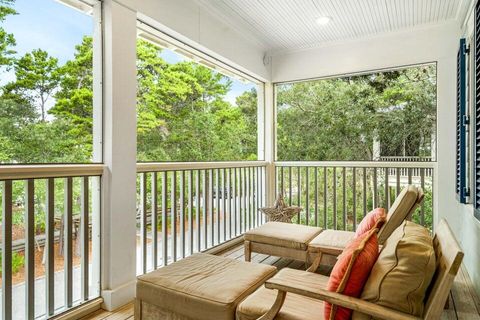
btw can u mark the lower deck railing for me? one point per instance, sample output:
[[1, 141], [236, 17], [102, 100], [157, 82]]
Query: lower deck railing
[[195, 206], [61, 206]]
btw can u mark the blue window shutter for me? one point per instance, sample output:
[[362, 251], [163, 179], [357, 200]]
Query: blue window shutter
[[476, 116], [461, 187]]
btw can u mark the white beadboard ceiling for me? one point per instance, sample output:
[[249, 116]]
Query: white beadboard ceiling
[[284, 25]]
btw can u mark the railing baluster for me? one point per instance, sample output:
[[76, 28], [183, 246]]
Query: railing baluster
[[143, 219], [7, 250], [364, 191], [164, 218], [299, 192], [344, 198], [219, 202], [154, 220], [409, 175], [252, 196], [198, 210], [398, 180], [375, 190], [29, 248], [255, 196], [224, 205], [325, 201], [247, 197], [229, 197], [205, 209], [211, 208], [354, 198], [316, 196], [422, 208], [289, 185], [335, 198], [217, 207], [307, 198], [49, 247], [182, 214], [67, 248], [262, 195], [84, 219], [387, 193], [281, 181], [190, 211], [276, 180], [236, 194], [173, 195], [243, 204]]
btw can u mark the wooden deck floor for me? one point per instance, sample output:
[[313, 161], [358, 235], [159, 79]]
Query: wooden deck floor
[[464, 304]]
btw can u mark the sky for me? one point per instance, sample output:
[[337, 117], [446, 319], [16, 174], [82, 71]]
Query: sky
[[57, 29]]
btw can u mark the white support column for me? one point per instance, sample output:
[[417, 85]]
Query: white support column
[[270, 142], [119, 183]]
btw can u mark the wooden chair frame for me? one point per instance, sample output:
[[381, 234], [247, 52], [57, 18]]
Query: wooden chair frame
[[449, 258]]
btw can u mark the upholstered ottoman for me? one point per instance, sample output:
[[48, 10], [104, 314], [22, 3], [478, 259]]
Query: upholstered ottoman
[[280, 239], [200, 287]]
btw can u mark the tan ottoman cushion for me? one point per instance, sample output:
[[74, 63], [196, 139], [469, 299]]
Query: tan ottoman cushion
[[202, 286], [282, 234], [399, 211], [331, 239], [403, 271], [295, 307]]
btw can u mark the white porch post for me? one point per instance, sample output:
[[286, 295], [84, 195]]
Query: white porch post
[[270, 142], [119, 183]]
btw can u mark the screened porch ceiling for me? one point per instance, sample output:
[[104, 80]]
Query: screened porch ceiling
[[284, 25]]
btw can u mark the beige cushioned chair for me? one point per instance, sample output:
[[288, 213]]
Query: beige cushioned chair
[[310, 243], [200, 287], [299, 295]]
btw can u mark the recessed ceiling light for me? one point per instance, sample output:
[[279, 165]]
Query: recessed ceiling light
[[324, 20]]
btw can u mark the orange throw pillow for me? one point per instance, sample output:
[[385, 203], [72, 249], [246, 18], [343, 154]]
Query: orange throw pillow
[[351, 272], [374, 219]]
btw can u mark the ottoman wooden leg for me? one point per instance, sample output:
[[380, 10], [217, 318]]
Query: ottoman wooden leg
[[248, 252], [315, 263], [137, 313]]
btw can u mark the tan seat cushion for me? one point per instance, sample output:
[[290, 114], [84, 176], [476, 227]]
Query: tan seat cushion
[[283, 234], [331, 240], [399, 211], [211, 286], [296, 307], [403, 271]]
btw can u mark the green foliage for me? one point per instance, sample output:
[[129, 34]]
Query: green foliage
[[7, 40], [18, 261], [37, 76], [182, 114], [339, 119]]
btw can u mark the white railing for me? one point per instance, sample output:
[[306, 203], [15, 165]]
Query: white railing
[[338, 194], [59, 204], [196, 206]]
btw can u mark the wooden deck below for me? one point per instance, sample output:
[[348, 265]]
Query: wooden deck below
[[464, 304]]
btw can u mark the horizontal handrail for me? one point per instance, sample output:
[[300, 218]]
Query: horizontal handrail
[[357, 164], [169, 166], [19, 172]]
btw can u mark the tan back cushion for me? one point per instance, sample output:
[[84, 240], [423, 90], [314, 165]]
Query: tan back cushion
[[403, 271], [398, 212]]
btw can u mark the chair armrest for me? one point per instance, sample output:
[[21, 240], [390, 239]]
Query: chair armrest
[[313, 286]]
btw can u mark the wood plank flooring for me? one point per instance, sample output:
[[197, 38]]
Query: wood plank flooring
[[464, 304]]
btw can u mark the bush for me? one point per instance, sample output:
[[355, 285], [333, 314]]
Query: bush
[[18, 261]]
